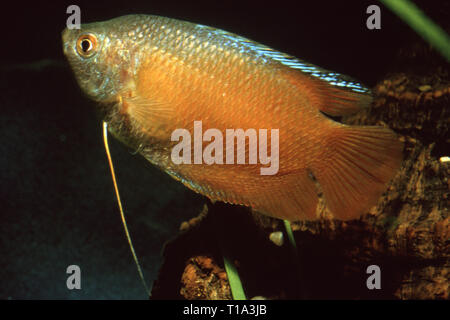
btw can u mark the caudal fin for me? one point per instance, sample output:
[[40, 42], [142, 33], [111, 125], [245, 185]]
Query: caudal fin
[[358, 164]]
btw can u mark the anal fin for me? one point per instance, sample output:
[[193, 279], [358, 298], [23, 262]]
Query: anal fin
[[291, 197]]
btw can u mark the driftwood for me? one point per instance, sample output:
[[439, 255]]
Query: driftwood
[[406, 234]]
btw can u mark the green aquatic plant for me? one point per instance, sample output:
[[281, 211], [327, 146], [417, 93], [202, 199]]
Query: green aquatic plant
[[237, 291], [420, 23]]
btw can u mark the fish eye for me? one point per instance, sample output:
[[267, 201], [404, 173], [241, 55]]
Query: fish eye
[[87, 45]]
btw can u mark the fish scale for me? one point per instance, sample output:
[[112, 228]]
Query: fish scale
[[152, 75]]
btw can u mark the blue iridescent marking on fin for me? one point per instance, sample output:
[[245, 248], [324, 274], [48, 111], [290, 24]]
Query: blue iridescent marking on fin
[[265, 53], [330, 77]]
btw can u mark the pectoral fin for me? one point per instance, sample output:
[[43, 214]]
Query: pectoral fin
[[146, 111]]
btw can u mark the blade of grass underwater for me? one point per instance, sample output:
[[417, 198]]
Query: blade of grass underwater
[[296, 258], [237, 291], [424, 26], [290, 235]]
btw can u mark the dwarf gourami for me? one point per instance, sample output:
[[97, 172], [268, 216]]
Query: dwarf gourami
[[152, 75]]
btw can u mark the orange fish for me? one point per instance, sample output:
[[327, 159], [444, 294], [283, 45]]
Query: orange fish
[[152, 75]]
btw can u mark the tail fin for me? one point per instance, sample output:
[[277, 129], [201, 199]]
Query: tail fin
[[361, 161]]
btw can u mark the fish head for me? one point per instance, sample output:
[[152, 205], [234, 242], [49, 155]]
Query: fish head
[[100, 58]]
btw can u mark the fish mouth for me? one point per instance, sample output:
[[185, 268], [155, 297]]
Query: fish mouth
[[67, 36], [65, 40]]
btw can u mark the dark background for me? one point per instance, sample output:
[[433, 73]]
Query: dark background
[[57, 202]]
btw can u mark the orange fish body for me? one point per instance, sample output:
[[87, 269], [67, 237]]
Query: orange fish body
[[154, 75]]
